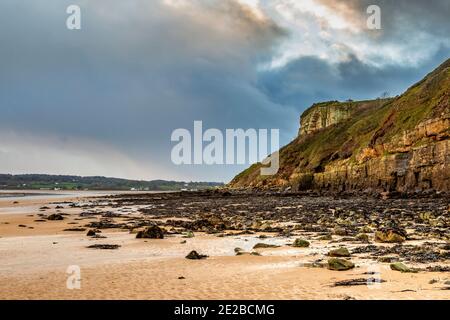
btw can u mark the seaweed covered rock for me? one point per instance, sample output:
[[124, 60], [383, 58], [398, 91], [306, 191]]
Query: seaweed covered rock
[[264, 246], [300, 243], [390, 235], [340, 264], [194, 255], [152, 232], [398, 266], [55, 216], [341, 252]]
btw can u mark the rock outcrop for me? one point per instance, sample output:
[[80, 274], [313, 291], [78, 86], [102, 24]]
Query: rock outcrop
[[323, 115], [399, 144]]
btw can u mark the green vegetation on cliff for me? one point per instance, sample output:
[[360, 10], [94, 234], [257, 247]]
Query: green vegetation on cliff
[[372, 130]]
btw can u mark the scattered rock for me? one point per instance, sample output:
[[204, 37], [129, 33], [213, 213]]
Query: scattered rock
[[264, 246], [104, 246], [90, 233], [339, 231], [341, 252], [300, 243], [438, 268], [390, 235], [387, 259], [315, 264], [398, 266], [75, 229], [152, 232], [326, 237], [189, 234], [194, 255], [358, 282], [365, 229], [340, 264], [98, 236], [363, 237], [55, 216]]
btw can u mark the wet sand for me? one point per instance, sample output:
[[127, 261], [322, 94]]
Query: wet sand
[[34, 261]]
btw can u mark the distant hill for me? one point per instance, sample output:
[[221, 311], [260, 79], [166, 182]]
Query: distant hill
[[63, 182], [396, 144]]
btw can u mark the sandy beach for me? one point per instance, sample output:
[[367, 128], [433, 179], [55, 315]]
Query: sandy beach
[[35, 254]]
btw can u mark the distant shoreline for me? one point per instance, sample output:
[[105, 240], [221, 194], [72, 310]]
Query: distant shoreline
[[18, 194]]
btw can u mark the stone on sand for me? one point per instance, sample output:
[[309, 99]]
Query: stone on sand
[[194, 255], [340, 264], [152, 232], [341, 252], [300, 243]]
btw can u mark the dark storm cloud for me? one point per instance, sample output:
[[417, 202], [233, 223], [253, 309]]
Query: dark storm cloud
[[414, 39], [309, 79], [134, 73], [399, 17]]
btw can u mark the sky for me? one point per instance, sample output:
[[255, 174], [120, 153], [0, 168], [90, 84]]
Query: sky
[[104, 100]]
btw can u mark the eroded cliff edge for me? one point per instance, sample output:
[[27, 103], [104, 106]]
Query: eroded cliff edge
[[400, 144]]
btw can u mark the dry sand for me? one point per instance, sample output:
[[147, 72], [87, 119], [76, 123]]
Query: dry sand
[[33, 265]]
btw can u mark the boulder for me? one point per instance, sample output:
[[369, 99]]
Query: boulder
[[340, 264], [55, 216], [300, 243], [152, 232], [398, 266], [339, 231], [390, 235], [363, 237], [341, 252]]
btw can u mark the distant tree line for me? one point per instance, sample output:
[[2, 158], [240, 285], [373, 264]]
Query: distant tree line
[[66, 182]]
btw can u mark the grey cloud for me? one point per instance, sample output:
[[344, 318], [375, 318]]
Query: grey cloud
[[139, 69], [309, 79], [133, 74], [401, 19]]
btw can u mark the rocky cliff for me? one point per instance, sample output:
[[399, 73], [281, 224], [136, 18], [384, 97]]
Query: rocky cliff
[[323, 115], [399, 144]]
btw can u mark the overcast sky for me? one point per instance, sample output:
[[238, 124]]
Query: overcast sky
[[105, 99]]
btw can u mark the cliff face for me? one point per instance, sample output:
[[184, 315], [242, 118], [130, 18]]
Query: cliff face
[[399, 144], [323, 115]]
